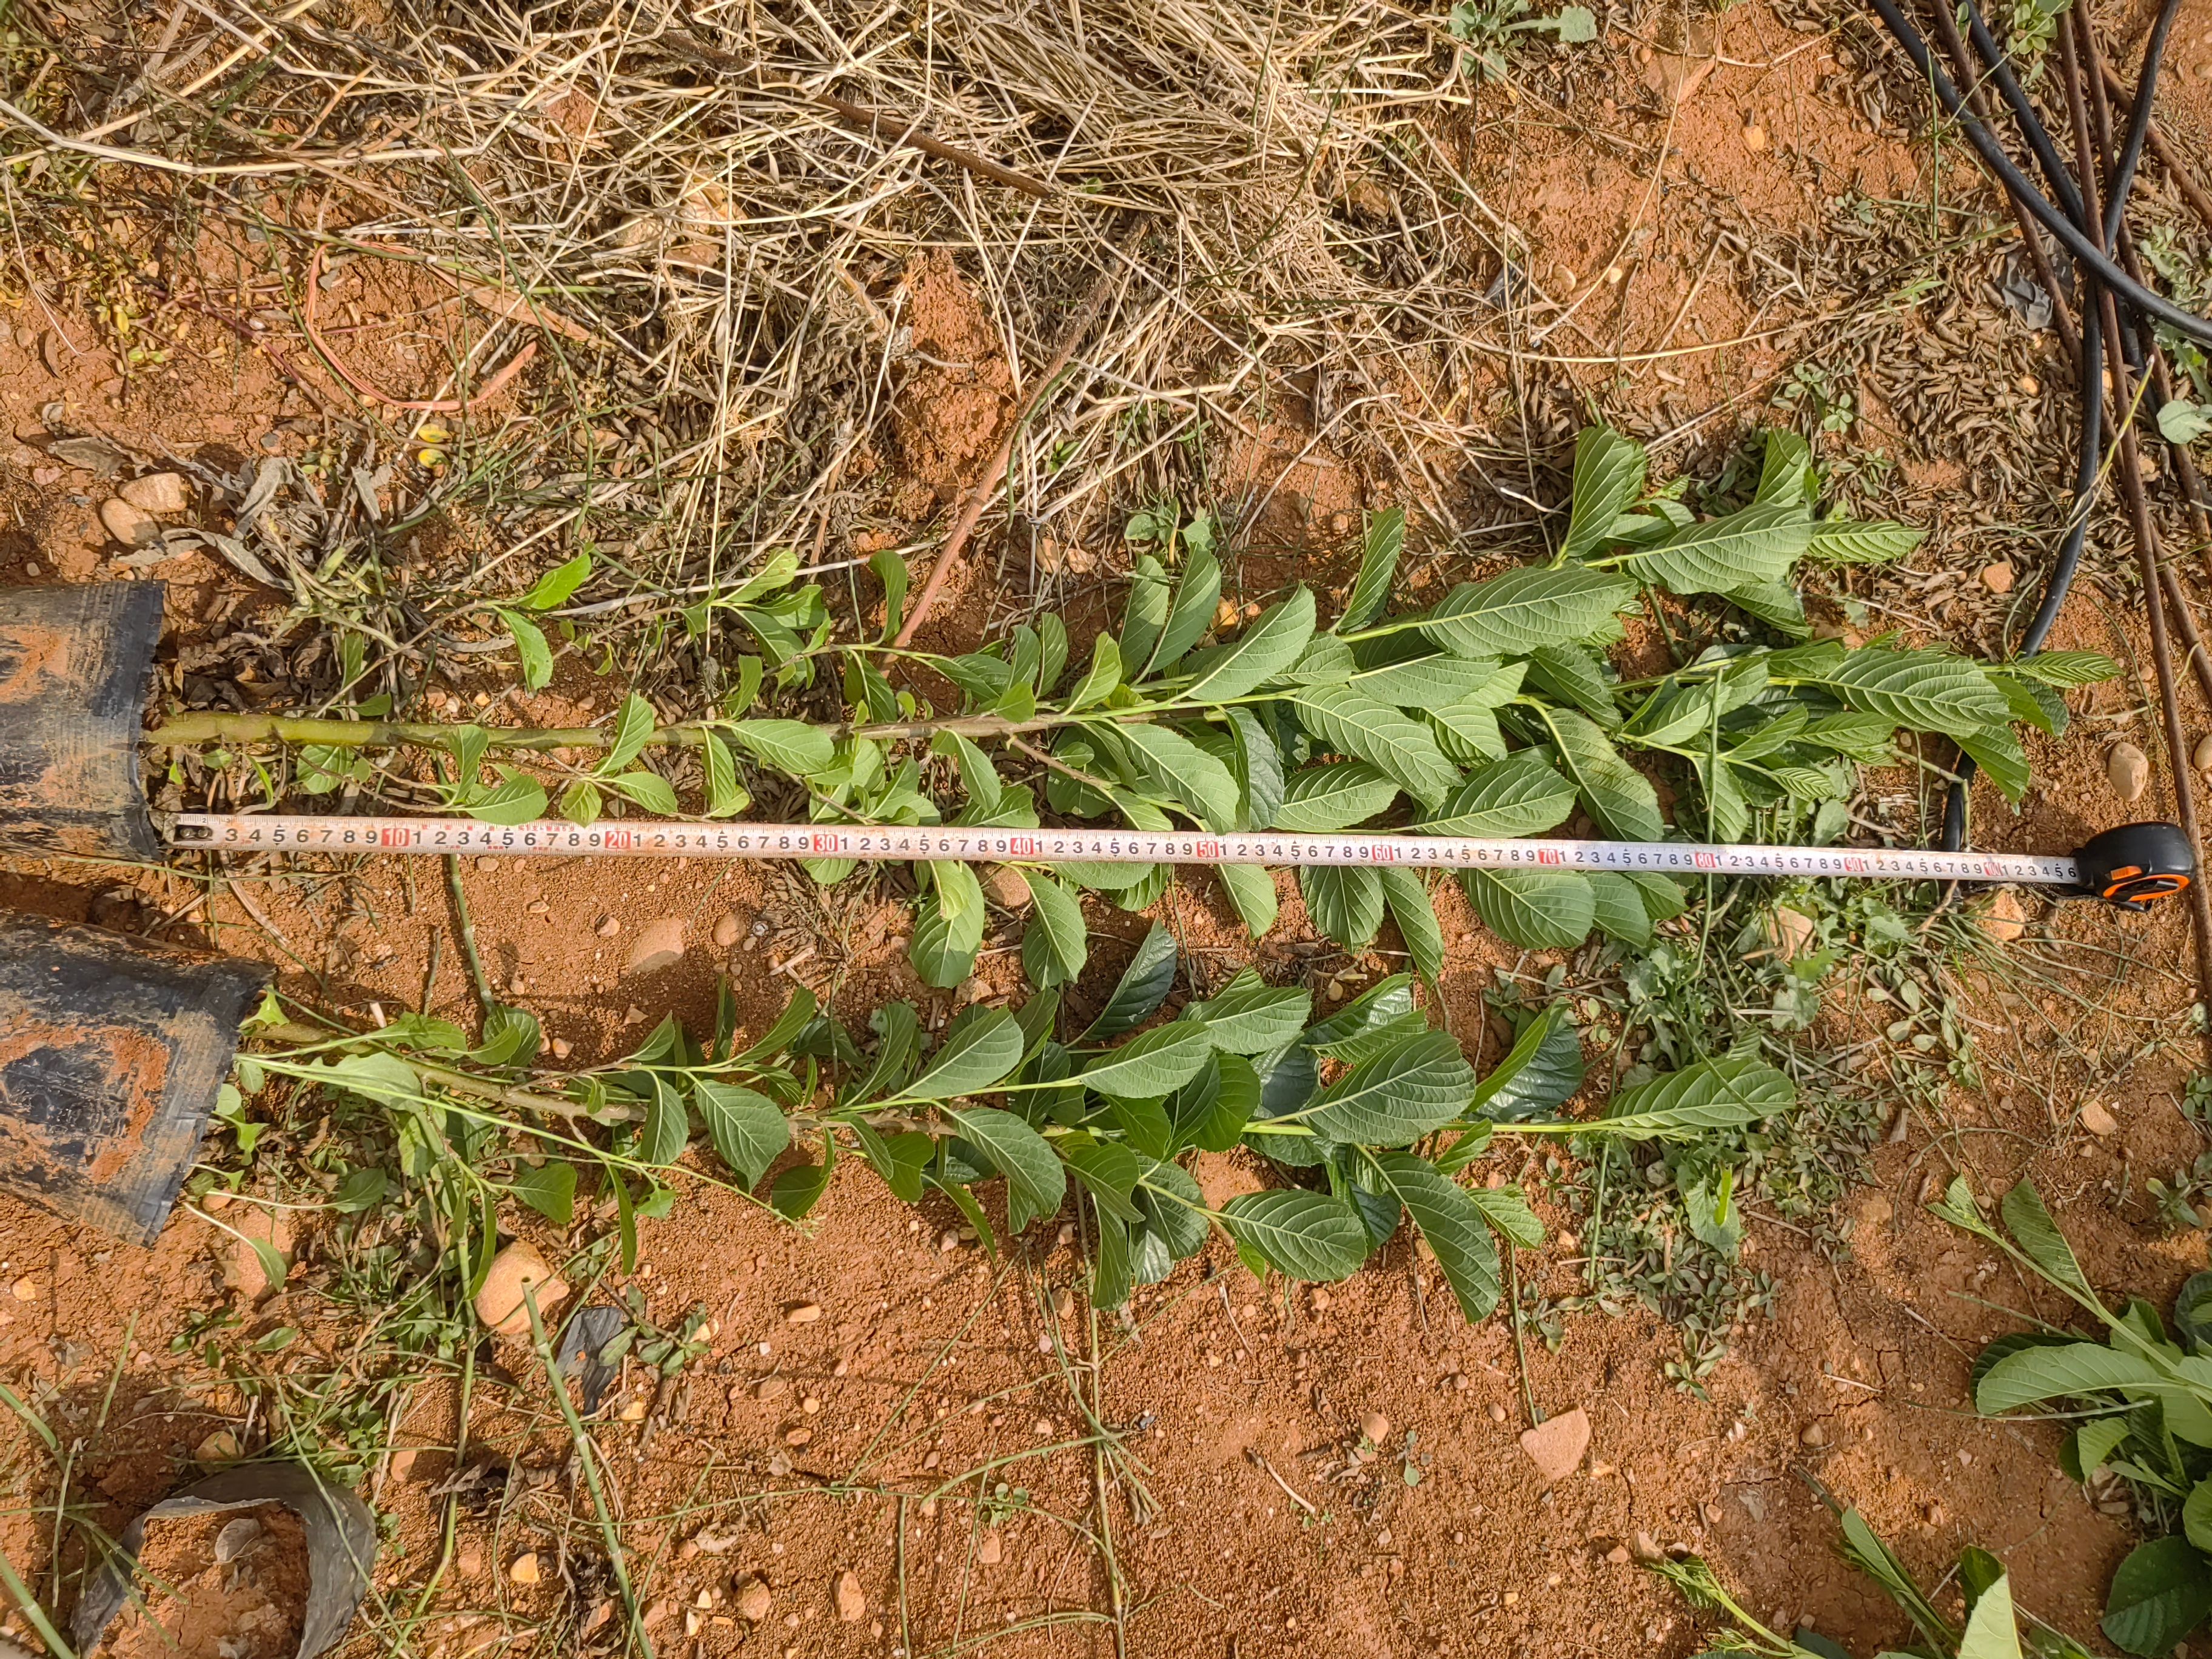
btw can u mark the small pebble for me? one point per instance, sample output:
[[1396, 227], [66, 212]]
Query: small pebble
[[727, 928], [802, 1313], [157, 492], [608, 928], [132, 526], [2201, 754], [1375, 1427], [1754, 137], [659, 944], [2128, 770], [523, 1570], [1815, 1437], [755, 1600], [1998, 577], [852, 1604]]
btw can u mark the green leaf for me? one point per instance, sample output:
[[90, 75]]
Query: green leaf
[[1101, 680], [1997, 752], [1708, 1192], [2181, 422], [941, 956], [1146, 618], [790, 746], [1617, 907], [1110, 1274], [890, 570], [1317, 799], [1540, 909], [1621, 799], [1455, 1227], [1436, 681], [1143, 985], [1609, 473], [1036, 1180], [1144, 1123], [2034, 1375], [797, 1014], [1511, 615], [2161, 1592], [976, 1054], [2065, 668], [900, 1159], [1368, 1024], [1775, 604], [1344, 902], [1992, 1631], [1378, 568], [1393, 1097], [1572, 26], [2192, 1313], [1921, 690], [1540, 1073], [549, 1189], [1508, 1211], [1251, 1017], [633, 726], [1303, 1235], [555, 587], [1713, 1094], [2196, 1514], [1520, 795], [646, 789], [1842, 541], [1863, 1547], [1107, 1171], [1152, 1065], [1259, 763], [1758, 544], [1786, 471], [1197, 596], [1211, 1110], [530, 646], [1268, 645], [799, 1188], [1175, 767], [1057, 941], [749, 1130], [1415, 913], [1395, 744], [580, 802], [1570, 674], [667, 1128], [519, 799], [1252, 890], [724, 797], [2038, 1237]]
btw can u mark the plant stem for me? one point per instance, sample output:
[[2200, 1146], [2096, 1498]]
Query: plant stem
[[466, 930], [1520, 1347], [587, 1454], [190, 731]]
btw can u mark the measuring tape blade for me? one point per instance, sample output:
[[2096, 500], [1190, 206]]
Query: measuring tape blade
[[254, 832]]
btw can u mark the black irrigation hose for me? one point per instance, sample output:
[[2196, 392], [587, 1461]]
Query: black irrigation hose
[[2075, 231], [2038, 137], [2069, 234], [2131, 149]]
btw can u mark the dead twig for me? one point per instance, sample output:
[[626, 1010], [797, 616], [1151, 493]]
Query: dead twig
[[995, 471]]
